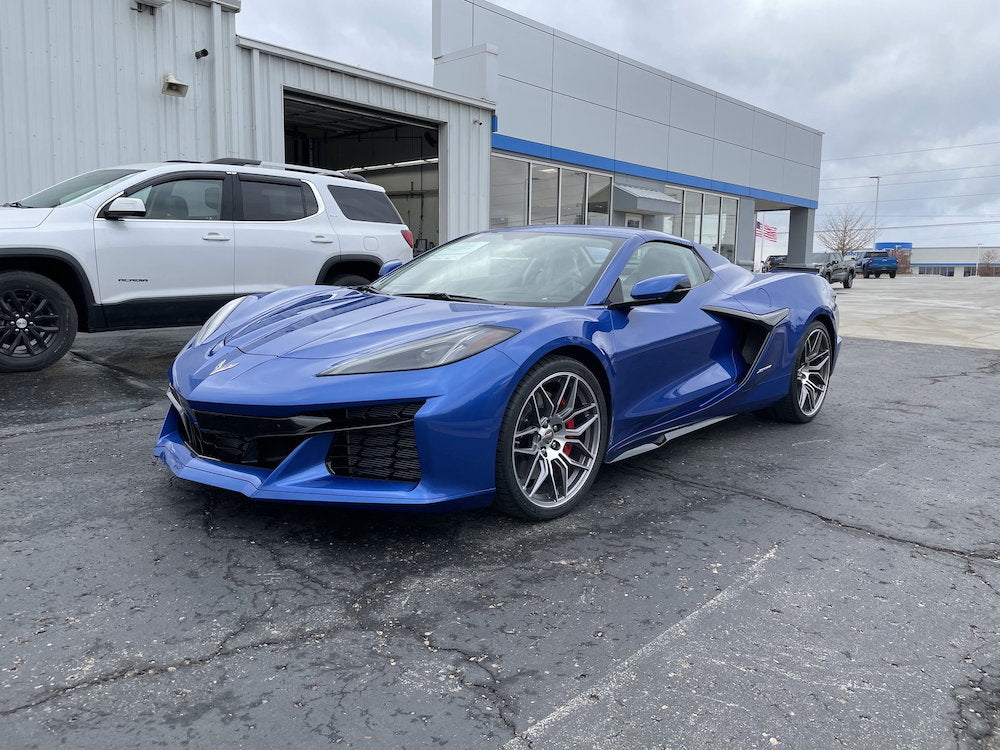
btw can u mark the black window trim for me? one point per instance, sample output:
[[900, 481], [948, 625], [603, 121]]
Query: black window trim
[[226, 213], [306, 186]]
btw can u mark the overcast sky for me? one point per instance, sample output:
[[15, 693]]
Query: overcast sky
[[877, 77]]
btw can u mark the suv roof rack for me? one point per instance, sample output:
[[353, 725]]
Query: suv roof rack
[[236, 162]]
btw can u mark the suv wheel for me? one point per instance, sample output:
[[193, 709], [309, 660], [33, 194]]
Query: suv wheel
[[37, 321], [849, 280], [347, 279]]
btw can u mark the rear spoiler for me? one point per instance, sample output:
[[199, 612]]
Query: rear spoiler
[[795, 268]]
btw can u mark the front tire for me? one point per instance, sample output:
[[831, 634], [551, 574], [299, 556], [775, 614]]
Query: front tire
[[348, 279], [849, 280], [552, 440], [892, 274], [810, 379], [38, 322]]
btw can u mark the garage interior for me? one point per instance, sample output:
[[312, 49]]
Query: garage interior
[[396, 152]]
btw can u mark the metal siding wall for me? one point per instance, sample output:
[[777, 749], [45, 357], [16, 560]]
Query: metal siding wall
[[80, 87], [464, 138]]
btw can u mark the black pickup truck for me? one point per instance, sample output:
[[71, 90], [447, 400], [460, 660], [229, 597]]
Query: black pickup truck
[[831, 266]]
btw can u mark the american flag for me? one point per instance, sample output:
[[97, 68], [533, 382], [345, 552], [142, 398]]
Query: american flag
[[768, 233]]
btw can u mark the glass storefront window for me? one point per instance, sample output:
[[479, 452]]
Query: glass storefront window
[[599, 200], [672, 222], [544, 194], [710, 222], [508, 193], [727, 228], [572, 197], [691, 224]]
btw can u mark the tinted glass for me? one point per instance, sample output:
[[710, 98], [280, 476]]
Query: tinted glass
[[76, 189], [710, 222], [599, 200], [198, 199], [508, 193], [661, 259], [273, 201], [691, 228], [573, 197], [528, 268], [359, 204], [544, 194]]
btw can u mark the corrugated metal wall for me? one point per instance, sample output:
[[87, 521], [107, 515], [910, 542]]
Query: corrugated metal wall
[[80, 89], [80, 86]]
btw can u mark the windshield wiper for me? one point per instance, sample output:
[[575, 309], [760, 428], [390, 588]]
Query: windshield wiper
[[445, 296], [13, 204]]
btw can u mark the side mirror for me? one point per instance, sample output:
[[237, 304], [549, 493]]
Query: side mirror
[[660, 288], [125, 208], [389, 267]]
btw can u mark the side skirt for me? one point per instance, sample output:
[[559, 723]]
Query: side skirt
[[660, 440]]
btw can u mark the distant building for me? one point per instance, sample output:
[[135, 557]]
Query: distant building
[[954, 261]]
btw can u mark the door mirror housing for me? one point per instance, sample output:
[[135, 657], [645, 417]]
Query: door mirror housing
[[125, 208], [389, 267], [660, 288]]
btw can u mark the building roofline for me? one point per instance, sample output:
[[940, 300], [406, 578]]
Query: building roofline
[[322, 62]]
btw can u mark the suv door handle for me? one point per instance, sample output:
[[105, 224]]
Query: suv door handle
[[215, 237], [322, 239]]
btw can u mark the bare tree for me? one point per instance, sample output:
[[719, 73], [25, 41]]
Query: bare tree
[[846, 231], [989, 263]]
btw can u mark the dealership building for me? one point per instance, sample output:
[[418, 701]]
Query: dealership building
[[523, 124]]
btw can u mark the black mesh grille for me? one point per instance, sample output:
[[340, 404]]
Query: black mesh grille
[[387, 449], [373, 442]]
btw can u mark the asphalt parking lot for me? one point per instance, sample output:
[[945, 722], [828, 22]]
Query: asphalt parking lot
[[752, 585]]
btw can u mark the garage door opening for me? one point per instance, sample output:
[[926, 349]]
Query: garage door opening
[[396, 152]]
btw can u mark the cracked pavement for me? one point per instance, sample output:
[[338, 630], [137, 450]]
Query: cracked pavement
[[752, 585]]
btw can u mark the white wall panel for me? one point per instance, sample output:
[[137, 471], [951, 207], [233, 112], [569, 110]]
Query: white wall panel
[[597, 137], [584, 73], [692, 109], [643, 93], [797, 178], [766, 171], [527, 113], [641, 141], [731, 163], [800, 144], [690, 153], [525, 51], [451, 27], [733, 122], [768, 134]]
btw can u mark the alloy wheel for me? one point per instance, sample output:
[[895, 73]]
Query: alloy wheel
[[29, 323], [813, 373], [557, 438]]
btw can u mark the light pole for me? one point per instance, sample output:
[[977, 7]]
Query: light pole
[[878, 183]]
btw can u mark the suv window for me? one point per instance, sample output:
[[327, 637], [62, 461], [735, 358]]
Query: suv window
[[365, 205], [662, 259], [193, 199], [268, 200]]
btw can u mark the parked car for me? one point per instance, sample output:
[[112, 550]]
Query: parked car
[[831, 266], [151, 245], [877, 263], [771, 261], [503, 367]]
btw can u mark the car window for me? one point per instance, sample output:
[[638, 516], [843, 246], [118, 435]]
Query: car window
[[661, 259], [265, 200], [76, 189], [359, 204], [195, 199]]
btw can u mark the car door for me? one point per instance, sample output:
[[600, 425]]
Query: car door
[[282, 237], [175, 264], [668, 357]]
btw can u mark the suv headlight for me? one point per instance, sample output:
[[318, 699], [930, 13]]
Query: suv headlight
[[426, 353], [214, 323]]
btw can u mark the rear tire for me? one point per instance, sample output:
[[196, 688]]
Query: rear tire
[[866, 274], [878, 275], [38, 322], [552, 440], [347, 279], [810, 378]]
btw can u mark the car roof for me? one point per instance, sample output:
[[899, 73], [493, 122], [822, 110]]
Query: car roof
[[599, 231], [197, 166]]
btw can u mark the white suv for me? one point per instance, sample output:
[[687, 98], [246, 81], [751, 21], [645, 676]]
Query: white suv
[[153, 245]]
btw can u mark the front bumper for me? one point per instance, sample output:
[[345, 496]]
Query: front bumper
[[455, 431]]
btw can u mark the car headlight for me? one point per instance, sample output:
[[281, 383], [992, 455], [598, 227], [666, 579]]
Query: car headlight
[[426, 353], [214, 323]]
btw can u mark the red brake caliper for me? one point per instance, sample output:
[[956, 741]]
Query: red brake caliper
[[569, 426]]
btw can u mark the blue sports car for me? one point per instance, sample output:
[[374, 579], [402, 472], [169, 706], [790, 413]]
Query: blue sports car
[[502, 367]]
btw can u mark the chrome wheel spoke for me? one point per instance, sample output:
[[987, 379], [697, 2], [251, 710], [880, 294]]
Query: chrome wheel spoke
[[814, 371], [578, 431]]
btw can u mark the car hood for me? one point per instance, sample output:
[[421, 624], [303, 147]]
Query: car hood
[[334, 324], [22, 218]]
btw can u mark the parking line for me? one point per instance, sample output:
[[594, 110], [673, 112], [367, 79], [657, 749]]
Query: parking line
[[622, 672]]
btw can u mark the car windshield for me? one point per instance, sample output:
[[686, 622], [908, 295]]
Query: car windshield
[[75, 189], [518, 268]]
